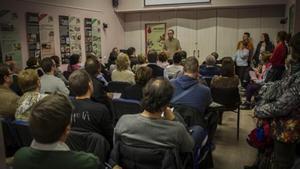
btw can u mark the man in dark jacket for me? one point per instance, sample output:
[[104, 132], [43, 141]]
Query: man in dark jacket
[[157, 71]]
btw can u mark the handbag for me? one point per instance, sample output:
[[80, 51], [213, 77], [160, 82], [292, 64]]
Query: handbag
[[260, 137]]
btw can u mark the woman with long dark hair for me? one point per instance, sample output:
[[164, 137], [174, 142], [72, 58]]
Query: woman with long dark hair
[[265, 45]]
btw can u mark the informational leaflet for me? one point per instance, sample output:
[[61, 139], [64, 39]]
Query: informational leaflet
[[46, 24], [155, 36]]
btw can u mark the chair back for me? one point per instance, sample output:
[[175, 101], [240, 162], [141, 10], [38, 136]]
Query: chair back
[[125, 106], [229, 97], [23, 132], [208, 80], [89, 142], [190, 115], [117, 87]]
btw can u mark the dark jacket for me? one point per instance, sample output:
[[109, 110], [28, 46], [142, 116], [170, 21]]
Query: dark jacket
[[269, 48], [157, 71], [209, 72], [134, 92]]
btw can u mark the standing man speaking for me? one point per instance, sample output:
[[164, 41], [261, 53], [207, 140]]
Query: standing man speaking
[[172, 45]]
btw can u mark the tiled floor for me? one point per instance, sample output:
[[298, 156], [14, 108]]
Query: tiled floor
[[230, 153]]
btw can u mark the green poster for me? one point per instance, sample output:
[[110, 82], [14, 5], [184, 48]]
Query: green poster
[[9, 36], [96, 33], [155, 36], [74, 34]]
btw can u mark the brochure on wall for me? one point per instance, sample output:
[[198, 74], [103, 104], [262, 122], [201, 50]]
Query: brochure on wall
[[155, 36], [92, 28], [9, 37], [64, 38], [33, 35], [74, 34], [46, 24]]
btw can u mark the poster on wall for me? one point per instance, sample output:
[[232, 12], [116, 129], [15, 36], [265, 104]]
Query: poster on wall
[[291, 19], [92, 29], [46, 26], [9, 37], [155, 36], [33, 35], [70, 37]]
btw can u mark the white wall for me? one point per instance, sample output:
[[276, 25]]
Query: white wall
[[101, 9], [207, 30]]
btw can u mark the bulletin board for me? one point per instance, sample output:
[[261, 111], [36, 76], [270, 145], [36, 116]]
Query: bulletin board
[[155, 36]]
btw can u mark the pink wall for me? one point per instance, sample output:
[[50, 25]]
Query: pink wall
[[101, 9]]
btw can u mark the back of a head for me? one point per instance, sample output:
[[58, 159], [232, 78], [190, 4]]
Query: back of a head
[[265, 56], [141, 59], [143, 75], [295, 45], [130, 51], [122, 62], [162, 57], [49, 118], [191, 65], [79, 82], [47, 64], [152, 56], [56, 60], [31, 62], [74, 59], [281, 36], [210, 60], [216, 55], [4, 71], [227, 68], [177, 57], [28, 80], [92, 65], [157, 94]]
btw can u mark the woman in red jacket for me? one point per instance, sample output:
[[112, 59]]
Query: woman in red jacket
[[278, 58]]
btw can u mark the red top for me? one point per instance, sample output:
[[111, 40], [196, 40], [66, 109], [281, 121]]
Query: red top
[[279, 55]]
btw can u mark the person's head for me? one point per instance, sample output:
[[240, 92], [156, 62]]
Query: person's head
[[141, 59], [29, 80], [183, 56], [216, 55], [162, 57], [56, 60], [74, 59], [177, 58], [152, 56], [92, 66], [81, 83], [122, 62], [116, 50], [143, 75], [31, 62], [49, 120], [191, 66], [5, 75], [171, 33], [210, 60], [265, 56], [131, 51], [157, 95], [281, 36], [265, 37], [242, 45], [295, 46], [227, 68], [246, 36], [48, 65]]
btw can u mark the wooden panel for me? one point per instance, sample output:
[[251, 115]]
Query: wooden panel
[[133, 32], [227, 32], [186, 30], [206, 33]]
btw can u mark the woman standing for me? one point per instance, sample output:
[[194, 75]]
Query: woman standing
[[241, 59], [265, 45]]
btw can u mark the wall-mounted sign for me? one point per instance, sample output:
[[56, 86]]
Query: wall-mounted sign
[[155, 36]]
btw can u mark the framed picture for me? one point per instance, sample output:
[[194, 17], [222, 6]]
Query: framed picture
[[155, 34]]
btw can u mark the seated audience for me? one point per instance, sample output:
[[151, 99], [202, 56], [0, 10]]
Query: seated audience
[[49, 82], [241, 60], [216, 55], [135, 92], [258, 77], [132, 56], [123, 72], [32, 63], [278, 58], [74, 64], [157, 71], [103, 75], [199, 96], [8, 98], [280, 104], [162, 60], [92, 66], [58, 72], [227, 79], [29, 82], [87, 115], [49, 124], [130, 129], [112, 58], [141, 62], [15, 70], [210, 69], [265, 45], [176, 69]]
